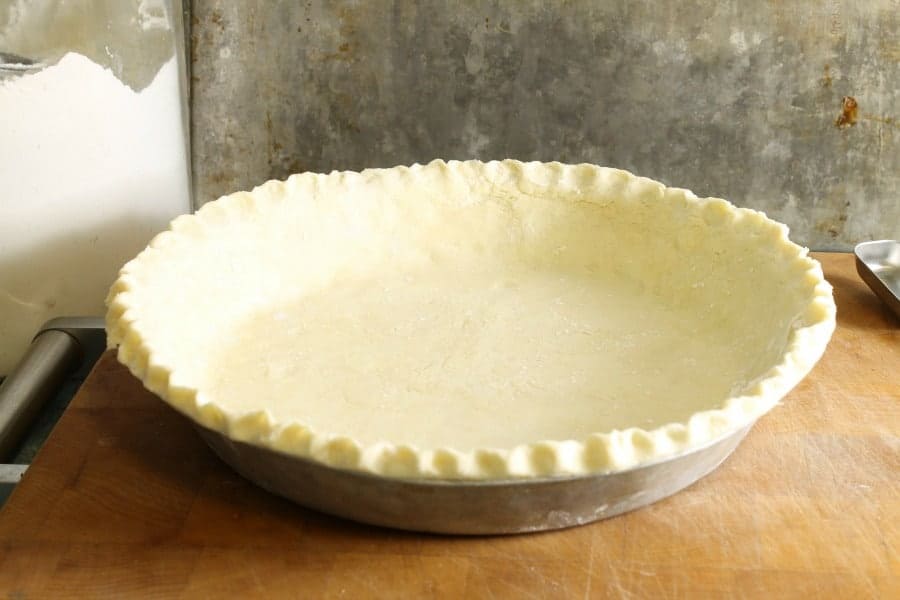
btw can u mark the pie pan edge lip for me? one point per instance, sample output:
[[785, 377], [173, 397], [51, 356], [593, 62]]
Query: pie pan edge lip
[[598, 453]]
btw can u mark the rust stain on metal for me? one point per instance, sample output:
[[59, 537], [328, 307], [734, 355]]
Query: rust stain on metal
[[849, 113], [834, 226], [221, 177], [273, 146], [348, 20], [889, 121], [343, 54], [217, 18], [347, 30], [890, 50], [269, 124]]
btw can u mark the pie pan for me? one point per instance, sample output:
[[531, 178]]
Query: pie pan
[[470, 347], [878, 264], [467, 507]]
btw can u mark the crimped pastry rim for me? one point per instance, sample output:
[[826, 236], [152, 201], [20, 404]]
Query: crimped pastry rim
[[600, 452]]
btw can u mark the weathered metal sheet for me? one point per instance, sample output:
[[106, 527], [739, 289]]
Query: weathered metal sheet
[[787, 107]]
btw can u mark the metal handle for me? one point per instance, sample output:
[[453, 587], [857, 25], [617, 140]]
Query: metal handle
[[57, 350]]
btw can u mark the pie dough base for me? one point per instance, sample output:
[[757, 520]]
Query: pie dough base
[[472, 320], [495, 357]]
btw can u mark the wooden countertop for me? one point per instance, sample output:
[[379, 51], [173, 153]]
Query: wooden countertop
[[124, 499]]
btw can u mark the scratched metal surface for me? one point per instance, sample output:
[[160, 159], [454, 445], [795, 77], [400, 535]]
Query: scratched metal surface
[[792, 108]]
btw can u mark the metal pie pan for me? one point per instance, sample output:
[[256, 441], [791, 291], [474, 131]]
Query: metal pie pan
[[878, 264], [469, 507]]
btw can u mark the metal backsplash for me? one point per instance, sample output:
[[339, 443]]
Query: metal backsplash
[[787, 107]]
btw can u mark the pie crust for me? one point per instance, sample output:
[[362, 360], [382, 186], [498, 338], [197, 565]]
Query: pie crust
[[469, 320]]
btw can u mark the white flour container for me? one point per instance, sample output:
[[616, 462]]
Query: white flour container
[[93, 151]]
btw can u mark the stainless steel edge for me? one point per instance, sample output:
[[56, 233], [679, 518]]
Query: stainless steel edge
[[468, 507], [878, 265], [89, 332], [11, 474], [57, 350]]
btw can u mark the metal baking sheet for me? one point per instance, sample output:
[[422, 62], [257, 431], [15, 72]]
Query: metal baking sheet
[[469, 507], [878, 264]]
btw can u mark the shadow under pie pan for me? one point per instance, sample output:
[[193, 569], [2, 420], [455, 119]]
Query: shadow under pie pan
[[468, 347]]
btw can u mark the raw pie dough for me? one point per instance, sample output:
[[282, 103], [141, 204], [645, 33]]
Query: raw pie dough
[[471, 320]]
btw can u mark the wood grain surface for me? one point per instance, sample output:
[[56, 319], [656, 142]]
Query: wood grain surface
[[124, 500]]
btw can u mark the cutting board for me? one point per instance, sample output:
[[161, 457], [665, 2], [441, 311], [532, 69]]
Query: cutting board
[[125, 500]]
